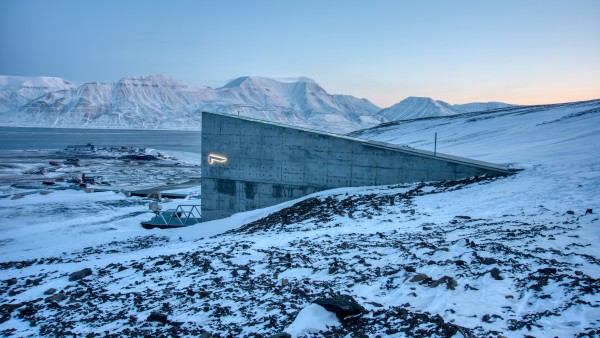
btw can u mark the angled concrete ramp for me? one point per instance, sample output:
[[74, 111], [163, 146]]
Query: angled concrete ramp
[[249, 164]]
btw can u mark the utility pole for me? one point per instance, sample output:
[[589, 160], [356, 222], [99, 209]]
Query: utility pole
[[435, 145]]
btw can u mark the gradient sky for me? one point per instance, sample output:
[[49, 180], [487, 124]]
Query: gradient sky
[[516, 51]]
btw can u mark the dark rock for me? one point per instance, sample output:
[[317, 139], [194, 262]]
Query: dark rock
[[12, 281], [419, 277], [27, 311], [570, 212], [57, 297], [438, 319], [546, 296], [34, 282], [547, 271], [204, 294], [410, 268], [281, 335], [157, 317], [343, 306], [463, 217], [578, 272], [375, 304], [451, 283], [469, 287], [488, 261], [77, 275], [50, 291], [537, 287], [588, 211], [495, 272], [486, 319]]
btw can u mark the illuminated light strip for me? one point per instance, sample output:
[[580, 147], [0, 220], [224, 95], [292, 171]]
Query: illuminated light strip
[[213, 158]]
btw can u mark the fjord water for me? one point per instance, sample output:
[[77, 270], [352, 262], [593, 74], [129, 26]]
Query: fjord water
[[17, 138]]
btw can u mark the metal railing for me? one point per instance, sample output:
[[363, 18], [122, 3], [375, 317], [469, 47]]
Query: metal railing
[[184, 215]]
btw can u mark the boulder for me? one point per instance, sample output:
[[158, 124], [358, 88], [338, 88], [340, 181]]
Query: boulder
[[281, 335], [57, 297], [547, 271], [77, 275], [410, 268], [419, 277], [450, 282], [157, 317], [495, 272], [50, 291], [343, 306], [488, 260]]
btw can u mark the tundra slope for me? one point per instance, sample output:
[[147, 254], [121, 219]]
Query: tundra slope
[[514, 256]]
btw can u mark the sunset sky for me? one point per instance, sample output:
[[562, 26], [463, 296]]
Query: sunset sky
[[515, 51]]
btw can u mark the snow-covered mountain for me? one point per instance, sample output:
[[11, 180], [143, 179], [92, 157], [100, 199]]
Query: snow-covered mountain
[[16, 91], [302, 103], [418, 107], [147, 102], [161, 102]]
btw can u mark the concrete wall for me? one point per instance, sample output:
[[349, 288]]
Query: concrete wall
[[270, 163]]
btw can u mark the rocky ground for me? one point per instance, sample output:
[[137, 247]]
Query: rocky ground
[[412, 271]]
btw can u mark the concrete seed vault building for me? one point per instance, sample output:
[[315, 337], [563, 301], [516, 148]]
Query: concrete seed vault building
[[249, 164]]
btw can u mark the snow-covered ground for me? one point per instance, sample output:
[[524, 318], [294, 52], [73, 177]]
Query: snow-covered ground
[[512, 256]]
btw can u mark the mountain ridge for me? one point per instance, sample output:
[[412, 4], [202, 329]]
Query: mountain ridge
[[414, 107], [164, 102]]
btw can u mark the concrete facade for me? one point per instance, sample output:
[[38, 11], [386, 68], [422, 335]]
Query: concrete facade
[[249, 164]]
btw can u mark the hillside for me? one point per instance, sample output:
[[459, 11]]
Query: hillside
[[420, 107], [530, 134], [514, 256]]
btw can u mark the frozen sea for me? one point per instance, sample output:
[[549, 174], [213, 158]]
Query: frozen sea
[[16, 138]]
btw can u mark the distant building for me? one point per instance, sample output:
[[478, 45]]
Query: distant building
[[84, 147], [249, 164]]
